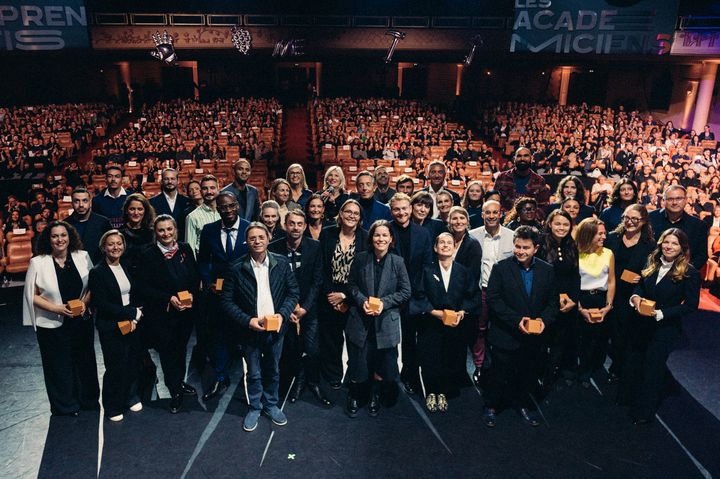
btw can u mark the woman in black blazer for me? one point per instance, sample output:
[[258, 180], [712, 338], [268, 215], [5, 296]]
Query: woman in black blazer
[[422, 206], [114, 297], [169, 268], [338, 245], [674, 284], [631, 243], [441, 349], [374, 334]]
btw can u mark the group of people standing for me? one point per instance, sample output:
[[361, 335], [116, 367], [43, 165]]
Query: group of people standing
[[532, 306]]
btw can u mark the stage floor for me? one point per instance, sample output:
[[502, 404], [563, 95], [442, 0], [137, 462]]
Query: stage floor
[[583, 433]]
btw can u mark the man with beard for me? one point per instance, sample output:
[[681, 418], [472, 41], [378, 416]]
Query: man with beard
[[247, 195], [436, 174], [91, 226], [203, 214], [521, 181], [221, 243], [301, 354], [170, 202], [383, 192], [109, 202]]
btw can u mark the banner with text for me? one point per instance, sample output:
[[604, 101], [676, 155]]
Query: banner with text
[[594, 26], [43, 25]]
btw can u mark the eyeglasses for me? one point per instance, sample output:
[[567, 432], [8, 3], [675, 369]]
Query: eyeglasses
[[630, 219], [351, 213]]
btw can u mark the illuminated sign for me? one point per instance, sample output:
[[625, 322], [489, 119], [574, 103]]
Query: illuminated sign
[[43, 25]]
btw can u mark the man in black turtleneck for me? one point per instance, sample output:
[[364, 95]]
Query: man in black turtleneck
[[373, 210]]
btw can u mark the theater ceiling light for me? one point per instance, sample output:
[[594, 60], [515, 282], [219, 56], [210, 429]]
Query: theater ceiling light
[[242, 39], [397, 36], [476, 42], [164, 49]]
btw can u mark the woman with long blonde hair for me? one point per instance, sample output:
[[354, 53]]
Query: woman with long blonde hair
[[668, 291]]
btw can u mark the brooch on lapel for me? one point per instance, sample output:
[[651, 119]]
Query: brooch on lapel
[[436, 278]]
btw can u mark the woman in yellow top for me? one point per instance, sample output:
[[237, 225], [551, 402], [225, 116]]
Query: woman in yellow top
[[597, 291]]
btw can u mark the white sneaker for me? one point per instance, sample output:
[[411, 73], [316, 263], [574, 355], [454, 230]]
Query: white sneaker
[[117, 418], [137, 407]]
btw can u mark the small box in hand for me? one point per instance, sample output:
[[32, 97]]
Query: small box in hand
[[564, 298], [218, 284], [343, 308], [272, 322], [629, 276], [76, 306], [125, 327], [646, 307], [449, 317], [595, 315], [185, 298], [533, 326], [374, 304]]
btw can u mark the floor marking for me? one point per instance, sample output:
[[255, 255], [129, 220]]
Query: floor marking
[[542, 414], [426, 419], [704, 472], [282, 406]]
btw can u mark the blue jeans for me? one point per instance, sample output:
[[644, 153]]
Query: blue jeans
[[262, 356]]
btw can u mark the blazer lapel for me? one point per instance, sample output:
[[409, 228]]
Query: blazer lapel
[[370, 275], [385, 276]]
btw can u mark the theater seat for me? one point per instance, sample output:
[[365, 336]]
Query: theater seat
[[18, 256], [13, 238]]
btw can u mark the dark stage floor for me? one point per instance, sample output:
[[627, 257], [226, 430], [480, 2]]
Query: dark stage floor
[[583, 434]]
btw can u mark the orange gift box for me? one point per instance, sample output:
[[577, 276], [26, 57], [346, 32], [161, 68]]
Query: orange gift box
[[629, 276], [218, 284], [595, 315], [76, 306], [563, 298], [125, 327], [449, 317], [272, 322], [646, 307], [185, 298], [374, 304], [533, 326]]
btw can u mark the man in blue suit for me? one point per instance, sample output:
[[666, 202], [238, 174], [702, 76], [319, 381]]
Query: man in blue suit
[[414, 244], [221, 242], [373, 210], [170, 202]]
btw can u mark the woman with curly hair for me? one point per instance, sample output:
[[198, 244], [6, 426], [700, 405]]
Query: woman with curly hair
[[523, 213]]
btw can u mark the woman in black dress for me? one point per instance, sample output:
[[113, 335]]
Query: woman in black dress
[[674, 284], [422, 207], [631, 243], [138, 217], [116, 304], [169, 268]]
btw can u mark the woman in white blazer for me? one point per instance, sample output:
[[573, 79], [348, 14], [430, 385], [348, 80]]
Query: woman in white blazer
[[58, 274]]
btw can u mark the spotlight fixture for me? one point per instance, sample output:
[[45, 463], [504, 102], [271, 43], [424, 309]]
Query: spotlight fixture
[[164, 49], [290, 47], [241, 39], [476, 43], [397, 36]]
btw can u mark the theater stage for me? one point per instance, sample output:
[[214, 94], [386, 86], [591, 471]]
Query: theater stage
[[583, 434]]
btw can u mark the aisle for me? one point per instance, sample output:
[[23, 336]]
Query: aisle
[[295, 144]]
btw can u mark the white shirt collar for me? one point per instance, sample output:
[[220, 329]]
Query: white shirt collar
[[122, 193]]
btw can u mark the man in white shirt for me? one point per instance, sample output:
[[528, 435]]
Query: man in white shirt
[[259, 285], [170, 202], [497, 244], [203, 214]]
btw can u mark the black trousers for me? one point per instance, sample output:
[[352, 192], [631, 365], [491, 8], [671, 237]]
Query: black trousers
[[561, 341], [441, 349], [365, 361], [169, 336], [331, 326], [593, 337], [511, 377], [644, 369], [409, 348], [123, 360], [619, 317], [69, 366], [301, 354]]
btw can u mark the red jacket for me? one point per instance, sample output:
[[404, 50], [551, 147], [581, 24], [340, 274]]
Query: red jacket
[[536, 188]]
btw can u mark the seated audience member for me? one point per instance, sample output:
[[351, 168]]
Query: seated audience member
[[523, 213]]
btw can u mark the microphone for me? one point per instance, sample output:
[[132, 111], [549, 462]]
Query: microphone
[[327, 194]]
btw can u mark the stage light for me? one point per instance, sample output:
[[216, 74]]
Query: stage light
[[242, 39], [292, 47], [476, 43], [164, 49], [397, 36]]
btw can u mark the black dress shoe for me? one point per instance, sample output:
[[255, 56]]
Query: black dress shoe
[[217, 389], [176, 403], [489, 417], [374, 404], [336, 384], [351, 406], [529, 417], [187, 389], [296, 391], [317, 392], [408, 387]]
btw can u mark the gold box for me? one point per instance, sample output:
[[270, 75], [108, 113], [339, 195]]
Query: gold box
[[646, 307], [533, 326], [563, 298], [185, 298], [76, 306], [449, 317], [218, 284], [595, 315], [272, 322], [374, 304], [629, 276], [125, 327]]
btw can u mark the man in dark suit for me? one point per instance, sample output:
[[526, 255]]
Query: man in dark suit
[[373, 210], [247, 195], [436, 174], [301, 344], [674, 216], [91, 226], [221, 243], [260, 286], [170, 202], [414, 245], [520, 287]]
